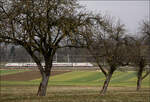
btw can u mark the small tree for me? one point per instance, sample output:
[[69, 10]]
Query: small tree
[[42, 26], [145, 31], [114, 53], [108, 42], [141, 53], [139, 60]]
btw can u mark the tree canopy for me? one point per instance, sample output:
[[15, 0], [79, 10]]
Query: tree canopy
[[43, 26]]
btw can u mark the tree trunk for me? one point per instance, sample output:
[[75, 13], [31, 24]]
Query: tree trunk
[[43, 85], [139, 81], [45, 77], [104, 89], [139, 76]]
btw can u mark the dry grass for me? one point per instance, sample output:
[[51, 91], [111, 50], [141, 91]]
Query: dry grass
[[73, 94]]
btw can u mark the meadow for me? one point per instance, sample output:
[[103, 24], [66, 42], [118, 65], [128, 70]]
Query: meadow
[[76, 86], [87, 78]]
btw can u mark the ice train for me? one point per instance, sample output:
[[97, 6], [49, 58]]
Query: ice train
[[54, 64]]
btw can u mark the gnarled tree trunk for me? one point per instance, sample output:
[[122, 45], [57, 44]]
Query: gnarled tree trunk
[[139, 75], [45, 78], [106, 83], [139, 81], [43, 85]]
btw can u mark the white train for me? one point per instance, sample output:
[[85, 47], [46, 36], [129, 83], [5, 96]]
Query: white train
[[54, 64]]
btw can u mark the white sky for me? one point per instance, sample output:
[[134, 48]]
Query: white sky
[[131, 13]]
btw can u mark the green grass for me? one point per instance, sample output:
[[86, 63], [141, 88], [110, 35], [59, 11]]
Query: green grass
[[95, 78], [124, 77], [87, 78], [11, 71]]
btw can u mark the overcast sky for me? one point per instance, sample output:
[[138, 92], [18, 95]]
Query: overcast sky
[[131, 13]]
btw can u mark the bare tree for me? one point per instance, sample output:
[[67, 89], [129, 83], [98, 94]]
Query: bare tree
[[107, 42], [115, 50], [139, 59], [145, 31], [42, 26], [141, 54]]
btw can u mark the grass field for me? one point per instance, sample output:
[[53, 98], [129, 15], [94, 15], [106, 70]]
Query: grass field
[[87, 78], [76, 86], [73, 94]]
